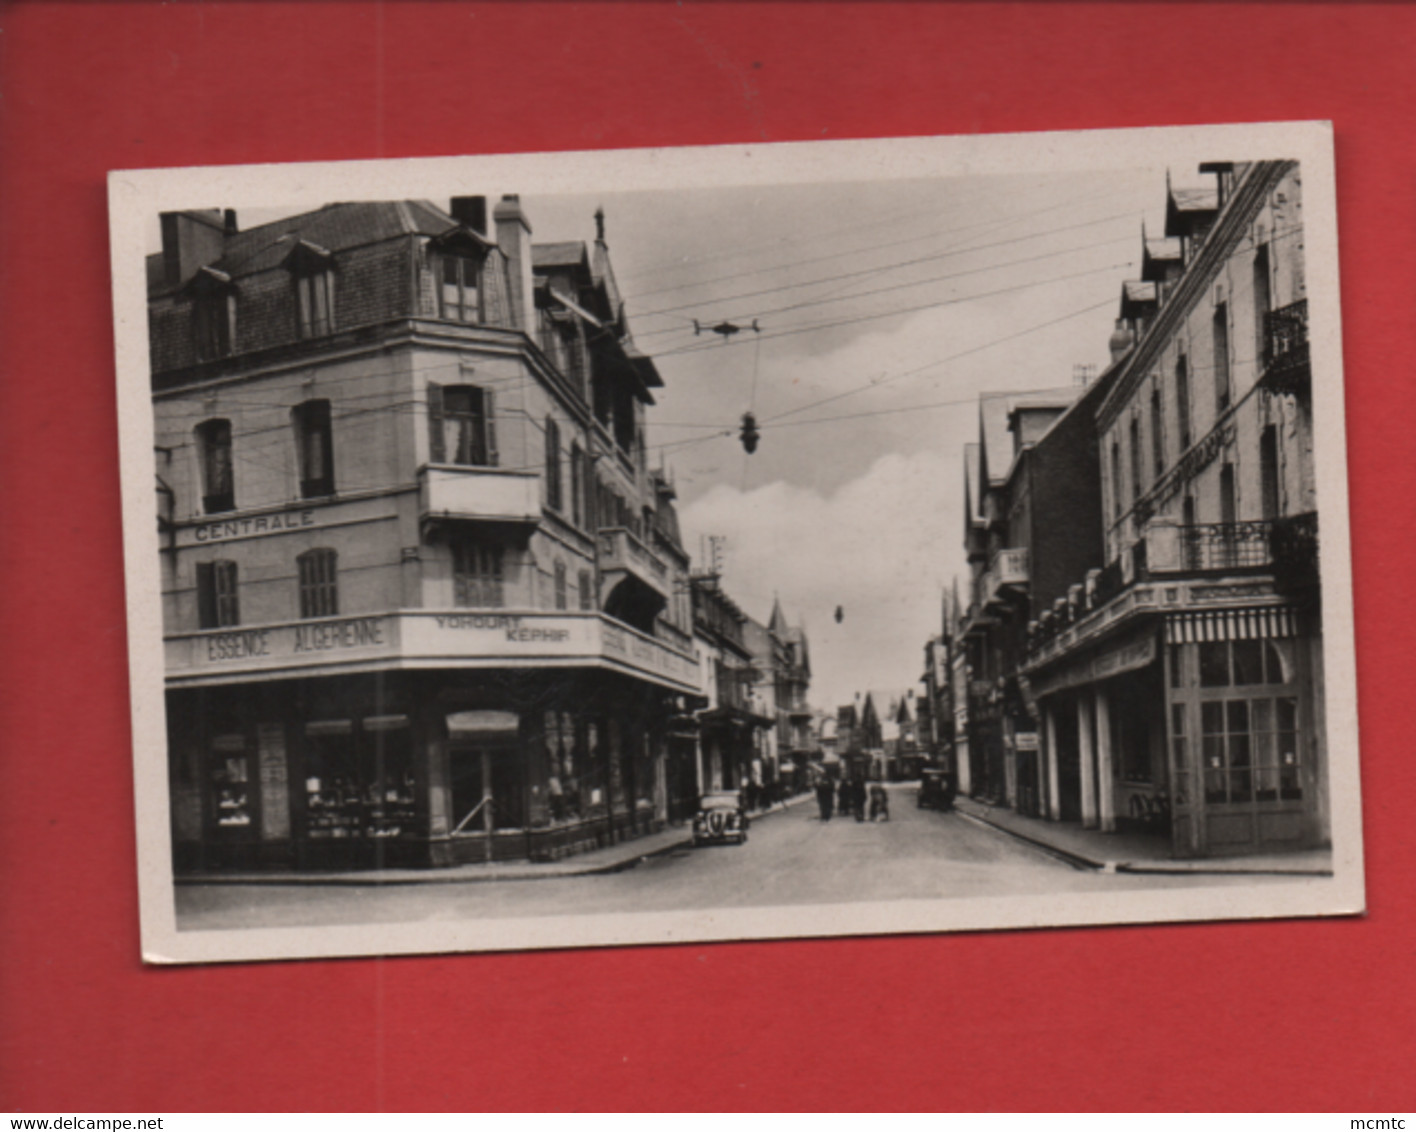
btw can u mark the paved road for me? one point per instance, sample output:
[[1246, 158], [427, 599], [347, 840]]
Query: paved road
[[792, 857]]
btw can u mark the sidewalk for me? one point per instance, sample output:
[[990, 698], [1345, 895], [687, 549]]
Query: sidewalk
[[1134, 852], [611, 859]]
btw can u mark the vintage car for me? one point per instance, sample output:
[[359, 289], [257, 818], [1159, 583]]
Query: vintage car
[[936, 790], [720, 818]]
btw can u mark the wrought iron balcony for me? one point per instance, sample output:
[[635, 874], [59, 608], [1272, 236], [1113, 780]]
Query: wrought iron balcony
[[1225, 546], [1286, 364]]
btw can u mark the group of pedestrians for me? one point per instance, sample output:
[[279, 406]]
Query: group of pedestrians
[[852, 795]]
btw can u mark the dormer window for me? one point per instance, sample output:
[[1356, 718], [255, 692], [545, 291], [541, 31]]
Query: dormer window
[[316, 297], [213, 314], [313, 269], [460, 295]]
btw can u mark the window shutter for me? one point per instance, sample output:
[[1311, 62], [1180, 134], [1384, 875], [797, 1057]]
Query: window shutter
[[206, 595], [437, 442], [489, 410]]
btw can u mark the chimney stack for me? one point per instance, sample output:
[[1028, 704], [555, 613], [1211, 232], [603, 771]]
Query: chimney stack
[[191, 240], [471, 212], [514, 239]]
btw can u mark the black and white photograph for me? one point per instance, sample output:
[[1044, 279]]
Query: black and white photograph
[[816, 539]]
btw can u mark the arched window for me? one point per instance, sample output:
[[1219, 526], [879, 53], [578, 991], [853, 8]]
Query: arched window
[[553, 465], [213, 439], [319, 584]]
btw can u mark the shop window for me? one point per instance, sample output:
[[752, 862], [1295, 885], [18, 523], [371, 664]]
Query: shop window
[[214, 456], [477, 575], [232, 800], [1250, 750], [560, 589], [359, 782], [315, 300], [553, 465], [1225, 664], [459, 296], [461, 425], [218, 605], [314, 449], [587, 591], [319, 585]]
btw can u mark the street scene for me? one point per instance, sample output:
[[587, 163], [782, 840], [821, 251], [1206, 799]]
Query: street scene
[[792, 857], [908, 539]]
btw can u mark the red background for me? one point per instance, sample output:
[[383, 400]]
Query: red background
[[1284, 1015]]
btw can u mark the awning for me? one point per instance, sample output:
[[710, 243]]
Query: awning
[[1231, 625]]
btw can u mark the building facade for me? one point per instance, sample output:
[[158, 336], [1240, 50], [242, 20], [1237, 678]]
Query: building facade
[[1179, 688], [424, 601]]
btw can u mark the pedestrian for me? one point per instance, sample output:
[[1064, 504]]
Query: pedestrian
[[824, 794]]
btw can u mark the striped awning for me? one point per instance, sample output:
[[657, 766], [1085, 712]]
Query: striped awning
[[1231, 625]]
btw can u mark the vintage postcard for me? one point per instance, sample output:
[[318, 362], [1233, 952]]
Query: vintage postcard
[[749, 542]]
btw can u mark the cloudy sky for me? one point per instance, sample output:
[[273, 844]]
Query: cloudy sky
[[885, 310]]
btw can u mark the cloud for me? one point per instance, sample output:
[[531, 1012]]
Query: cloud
[[881, 547]]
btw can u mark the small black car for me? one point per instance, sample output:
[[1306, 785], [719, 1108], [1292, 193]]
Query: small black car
[[936, 790]]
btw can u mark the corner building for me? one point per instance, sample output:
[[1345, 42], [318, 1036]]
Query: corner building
[[424, 601]]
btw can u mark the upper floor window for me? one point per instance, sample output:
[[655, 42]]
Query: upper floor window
[[214, 321], [577, 485], [461, 425], [1157, 435], [459, 293], [1116, 480], [1135, 459], [1221, 357], [214, 456], [562, 597], [587, 591], [313, 448], [1182, 401], [319, 586], [1262, 298], [315, 292], [553, 465], [217, 603], [477, 575]]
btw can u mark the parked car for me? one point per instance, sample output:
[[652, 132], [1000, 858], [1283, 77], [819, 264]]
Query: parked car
[[721, 818], [936, 790]]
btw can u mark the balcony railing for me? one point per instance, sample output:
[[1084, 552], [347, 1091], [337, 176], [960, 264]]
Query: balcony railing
[[621, 552], [475, 493], [1225, 546], [1008, 571], [1286, 364]]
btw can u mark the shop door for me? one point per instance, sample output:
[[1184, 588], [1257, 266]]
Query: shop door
[[488, 789]]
